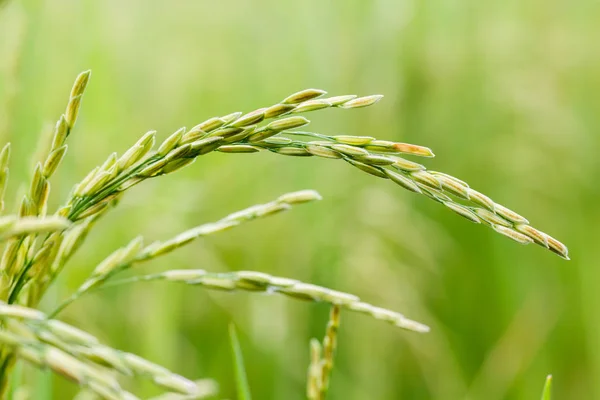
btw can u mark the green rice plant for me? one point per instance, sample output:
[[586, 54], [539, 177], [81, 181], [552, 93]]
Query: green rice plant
[[38, 244]]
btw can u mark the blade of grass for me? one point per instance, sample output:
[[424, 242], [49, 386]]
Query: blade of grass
[[241, 379], [547, 393]]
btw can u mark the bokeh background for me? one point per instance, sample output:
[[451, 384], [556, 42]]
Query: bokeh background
[[506, 93]]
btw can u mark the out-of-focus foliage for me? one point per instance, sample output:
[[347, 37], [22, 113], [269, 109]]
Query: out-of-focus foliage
[[505, 93]]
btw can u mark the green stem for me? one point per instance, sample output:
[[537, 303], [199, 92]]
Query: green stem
[[8, 361], [311, 134], [96, 287], [87, 289], [85, 202], [20, 283]]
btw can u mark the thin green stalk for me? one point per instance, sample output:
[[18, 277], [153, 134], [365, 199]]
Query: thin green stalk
[[547, 392], [256, 282], [83, 204], [329, 346], [241, 379], [22, 277]]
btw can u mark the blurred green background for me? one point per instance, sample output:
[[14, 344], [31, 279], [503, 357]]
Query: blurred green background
[[507, 95]]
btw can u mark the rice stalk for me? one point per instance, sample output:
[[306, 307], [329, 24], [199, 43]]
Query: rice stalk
[[329, 346], [182, 148], [376, 157], [381, 160], [33, 326], [252, 281]]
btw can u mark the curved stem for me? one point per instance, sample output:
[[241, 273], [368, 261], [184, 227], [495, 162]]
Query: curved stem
[[84, 203], [311, 134]]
